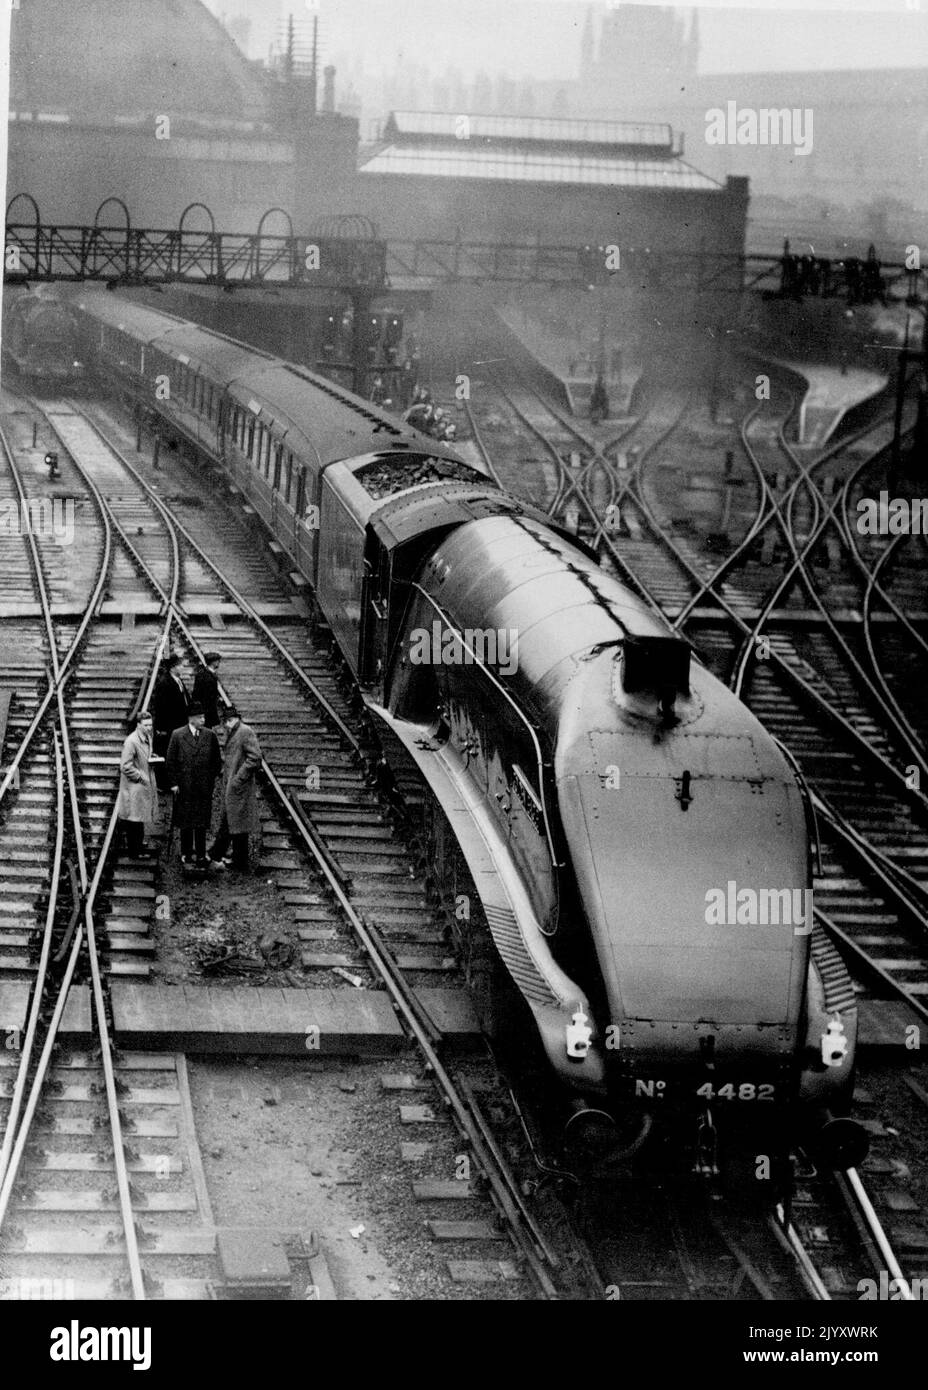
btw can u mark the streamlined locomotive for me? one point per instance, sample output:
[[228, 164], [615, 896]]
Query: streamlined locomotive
[[636, 844]]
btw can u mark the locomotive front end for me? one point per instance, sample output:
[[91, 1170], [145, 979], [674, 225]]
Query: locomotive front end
[[687, 829]]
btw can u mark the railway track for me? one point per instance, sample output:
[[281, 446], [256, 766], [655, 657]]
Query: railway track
[[314, 833], [67, 1164], [363, 910]]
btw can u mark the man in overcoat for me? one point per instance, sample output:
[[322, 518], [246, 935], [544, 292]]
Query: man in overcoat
[[206, 688], [240, 817], [192, 766], [137, 803], [169, 705]]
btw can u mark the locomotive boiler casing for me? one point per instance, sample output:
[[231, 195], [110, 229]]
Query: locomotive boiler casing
[[658, 822]]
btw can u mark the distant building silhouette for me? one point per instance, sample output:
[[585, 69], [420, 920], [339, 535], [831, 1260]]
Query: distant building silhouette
[[647, 55]]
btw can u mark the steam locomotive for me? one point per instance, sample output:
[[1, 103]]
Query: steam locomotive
[[41, 340], [624, 834]]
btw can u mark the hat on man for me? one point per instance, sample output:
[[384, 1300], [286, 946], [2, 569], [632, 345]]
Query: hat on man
[[212, 658], [194, 708], [231, 712]]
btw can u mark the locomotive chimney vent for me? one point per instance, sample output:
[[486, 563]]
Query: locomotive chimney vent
[[656, 665]]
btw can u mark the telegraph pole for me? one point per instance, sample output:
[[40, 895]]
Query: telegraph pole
[[901, 375], [906, 356]]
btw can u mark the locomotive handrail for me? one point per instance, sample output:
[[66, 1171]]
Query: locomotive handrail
[[520, 715], [806, 794]]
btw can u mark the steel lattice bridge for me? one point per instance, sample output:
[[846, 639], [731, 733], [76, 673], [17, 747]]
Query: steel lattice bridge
[[367, 265], [36, 252]]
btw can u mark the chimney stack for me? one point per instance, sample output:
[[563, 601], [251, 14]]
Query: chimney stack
[[328, 91]]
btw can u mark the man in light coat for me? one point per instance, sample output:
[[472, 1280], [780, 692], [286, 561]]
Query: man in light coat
[[137, 803], [242, 757], [193, 764]]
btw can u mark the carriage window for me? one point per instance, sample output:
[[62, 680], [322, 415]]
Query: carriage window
[[278, 458], [300, 492], [288, 476], [250, 437]]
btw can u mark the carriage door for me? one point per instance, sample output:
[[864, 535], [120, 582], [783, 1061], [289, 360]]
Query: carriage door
[[278, 510], [374, 612], [304, 528]]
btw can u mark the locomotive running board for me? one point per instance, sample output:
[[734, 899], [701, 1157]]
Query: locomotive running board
[[552, 995]]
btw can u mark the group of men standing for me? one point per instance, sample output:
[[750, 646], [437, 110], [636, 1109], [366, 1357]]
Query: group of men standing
[[174, 747]]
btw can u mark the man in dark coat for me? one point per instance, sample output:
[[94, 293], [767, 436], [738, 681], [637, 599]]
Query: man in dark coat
[[239, 792], [193, 764], [169, 704], [206, 688]]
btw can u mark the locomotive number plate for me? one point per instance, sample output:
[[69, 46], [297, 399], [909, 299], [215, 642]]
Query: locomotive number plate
[[745, 1090]]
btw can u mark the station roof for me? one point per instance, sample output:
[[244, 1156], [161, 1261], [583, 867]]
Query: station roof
[[521, 167], [99, 61], [516, 149], [439, 125]]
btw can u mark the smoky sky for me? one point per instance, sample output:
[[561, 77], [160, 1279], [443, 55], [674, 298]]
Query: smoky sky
[[541, 38]]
